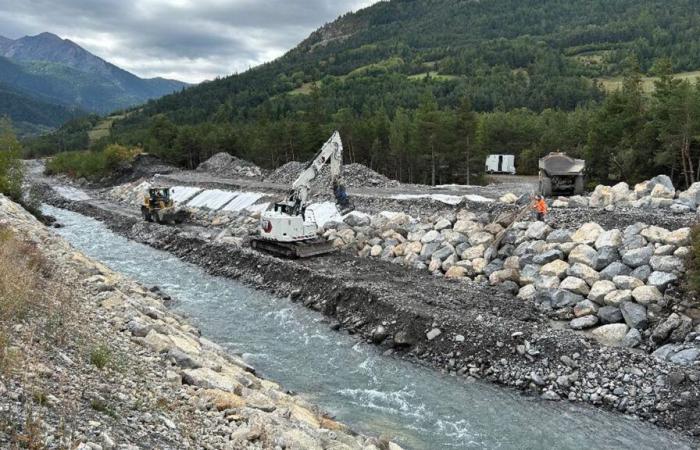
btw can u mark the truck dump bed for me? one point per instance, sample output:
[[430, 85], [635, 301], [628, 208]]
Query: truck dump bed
[[558, 164]]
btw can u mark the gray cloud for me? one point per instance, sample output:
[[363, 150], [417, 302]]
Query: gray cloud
[[191, 40]]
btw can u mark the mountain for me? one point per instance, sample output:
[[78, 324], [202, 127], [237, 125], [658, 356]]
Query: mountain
[[401, 75], [30, 115], [58, 71]]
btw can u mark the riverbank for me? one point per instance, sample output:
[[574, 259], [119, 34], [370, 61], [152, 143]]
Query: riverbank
[[467, 329], [100, 362]]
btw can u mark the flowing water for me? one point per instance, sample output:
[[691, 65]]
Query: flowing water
[[417, 407]]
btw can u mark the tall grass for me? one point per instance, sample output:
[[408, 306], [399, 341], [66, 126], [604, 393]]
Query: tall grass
[[91, 165]]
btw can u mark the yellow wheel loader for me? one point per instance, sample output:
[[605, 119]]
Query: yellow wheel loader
[[159, 206]]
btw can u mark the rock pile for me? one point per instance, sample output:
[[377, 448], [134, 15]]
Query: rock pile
[[654, 194], [226, 165], [354, 175], [612, 281]]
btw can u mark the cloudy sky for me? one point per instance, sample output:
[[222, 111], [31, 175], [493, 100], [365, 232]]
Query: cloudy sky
[[190, 40]]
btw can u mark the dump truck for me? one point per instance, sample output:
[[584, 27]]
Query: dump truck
[[561, 175]]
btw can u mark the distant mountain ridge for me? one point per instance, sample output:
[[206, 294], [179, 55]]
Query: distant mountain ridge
[[50, 69]]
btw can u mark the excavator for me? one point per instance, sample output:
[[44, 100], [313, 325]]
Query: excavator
[[289, 229]]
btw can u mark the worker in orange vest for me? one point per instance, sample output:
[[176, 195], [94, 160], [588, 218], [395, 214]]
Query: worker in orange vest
[[541, 207]]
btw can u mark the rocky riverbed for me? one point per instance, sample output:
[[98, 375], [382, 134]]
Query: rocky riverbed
[[103, 364], [463, 326]]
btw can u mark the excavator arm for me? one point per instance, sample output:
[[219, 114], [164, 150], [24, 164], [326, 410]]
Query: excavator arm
[[331, 152]]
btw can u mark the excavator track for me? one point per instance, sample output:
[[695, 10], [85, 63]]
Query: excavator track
[[302, 249]]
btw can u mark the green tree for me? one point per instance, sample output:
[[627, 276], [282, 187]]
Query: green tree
[[11, 173]]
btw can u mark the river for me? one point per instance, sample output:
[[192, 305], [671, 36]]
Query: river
[[375, 394]]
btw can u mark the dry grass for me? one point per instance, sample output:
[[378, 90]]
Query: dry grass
[[29, 296], [613, 84]]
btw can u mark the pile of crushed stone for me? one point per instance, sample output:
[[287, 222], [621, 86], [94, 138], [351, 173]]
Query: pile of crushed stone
[[226, 165], [354, 175]]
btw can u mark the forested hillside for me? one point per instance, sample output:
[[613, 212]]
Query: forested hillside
[[422, 89], [47, 70]]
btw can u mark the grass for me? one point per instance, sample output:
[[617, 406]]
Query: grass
[[612, 84], [23, 280], [381, 66], [100, 356], [91, 165]]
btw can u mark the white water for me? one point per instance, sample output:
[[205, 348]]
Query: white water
[[418, 407]]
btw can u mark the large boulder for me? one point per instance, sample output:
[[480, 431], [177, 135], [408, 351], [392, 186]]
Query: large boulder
[[557, 268], [442, 224], [613, 270], [583, 254], [575, 285], [620, 192], [585, 308], [588, 233], [617, 298], [627, 282], [606, 256], [661, 280], [611, 334], [456, 272], [547, 256], [480, 238], [667, 264], [609, 314], [537, 230], [655, 234], [560, 298], [679, 237], [691, 197], [467, 226], [635, 315], [662, 331], [647, 294], [586, 273], [581, 323], [601, 197], [559, 236], [610, 238], [432, 236], [474, 252], [638, 257], [357, 219], [600, 289]]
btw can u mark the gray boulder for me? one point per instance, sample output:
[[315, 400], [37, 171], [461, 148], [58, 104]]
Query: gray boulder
[[661, 280], [686, 357], [559, 236], [581, 323], [663, 330], [613, 270], [666, 264], [606, 256], [638, 257], [641, 273], [634, 242], [632, 339], [560, 298], [583, 254], [547, 257], [635, 315], [610, 314]]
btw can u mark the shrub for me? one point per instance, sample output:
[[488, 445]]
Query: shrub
[[100, 356], [89, 164]]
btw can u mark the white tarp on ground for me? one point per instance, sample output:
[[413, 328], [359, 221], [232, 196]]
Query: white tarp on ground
[[447, 199], [478, 199], [322, 213], [260, 207], [242, 201], [71, 193], [212, 199], [181, 194]]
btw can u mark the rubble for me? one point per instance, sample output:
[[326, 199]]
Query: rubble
[[226, 165], [354, 176]]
